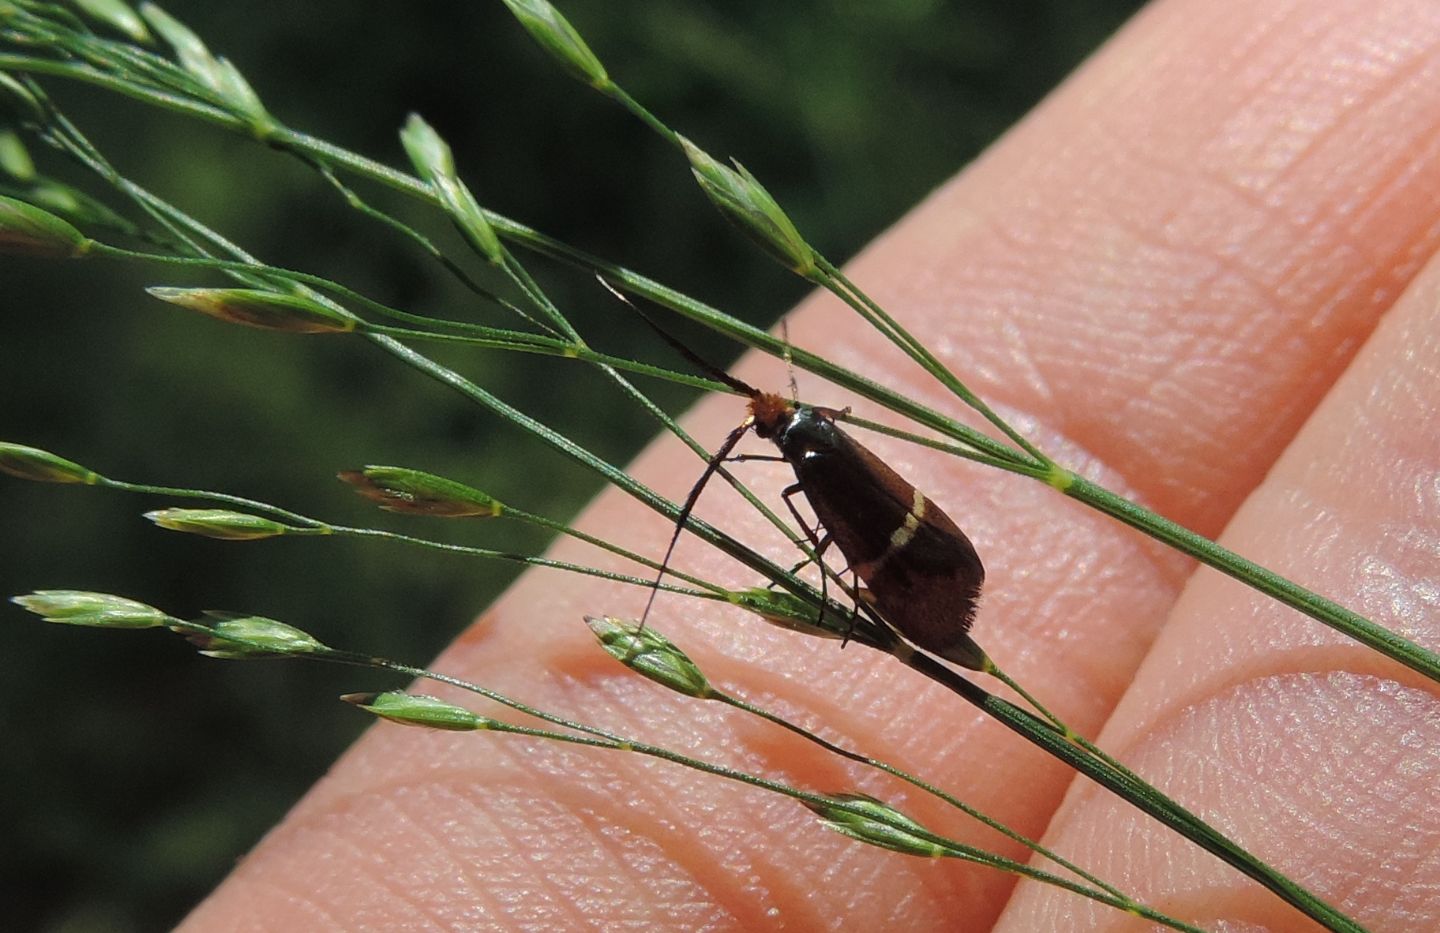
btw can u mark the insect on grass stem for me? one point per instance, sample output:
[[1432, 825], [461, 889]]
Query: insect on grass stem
[[921, 573]]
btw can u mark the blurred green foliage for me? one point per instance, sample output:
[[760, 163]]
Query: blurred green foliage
[[137, 772]]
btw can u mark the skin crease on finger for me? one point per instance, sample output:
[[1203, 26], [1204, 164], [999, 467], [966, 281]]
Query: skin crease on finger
[[1322, 757], [1161, 272]]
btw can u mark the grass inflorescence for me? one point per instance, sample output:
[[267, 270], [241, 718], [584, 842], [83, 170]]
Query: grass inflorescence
[[183, 76]]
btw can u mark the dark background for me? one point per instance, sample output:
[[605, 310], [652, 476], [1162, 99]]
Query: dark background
[[136, 772]]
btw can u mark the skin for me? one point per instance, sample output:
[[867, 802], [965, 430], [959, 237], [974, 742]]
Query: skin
[[1200, 273]]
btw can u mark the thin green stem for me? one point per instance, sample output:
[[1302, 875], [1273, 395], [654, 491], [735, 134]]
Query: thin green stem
[[541, 347], [1064, 728], [177, 492], [550, 524], [1010, 682], [1252, 574], [836, 282], [415, 236], [922, 784], [419, 673], [954, 450], [621, 96], [708, 591], [1143, 796]]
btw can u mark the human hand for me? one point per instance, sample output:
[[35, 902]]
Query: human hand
[[1161, 275]]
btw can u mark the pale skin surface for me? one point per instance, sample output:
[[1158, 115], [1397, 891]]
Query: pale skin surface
[[1181, 257]]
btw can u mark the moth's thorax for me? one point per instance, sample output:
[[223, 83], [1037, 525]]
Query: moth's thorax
[[800, 431], [811, 432]]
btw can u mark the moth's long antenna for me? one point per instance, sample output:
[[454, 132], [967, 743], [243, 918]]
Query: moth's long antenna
[[679, 347], [719, 456], [689, 505]]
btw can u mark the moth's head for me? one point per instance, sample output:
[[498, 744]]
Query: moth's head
[[771, 414]]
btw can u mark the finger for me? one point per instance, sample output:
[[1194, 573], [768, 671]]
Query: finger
[[1319, 755]]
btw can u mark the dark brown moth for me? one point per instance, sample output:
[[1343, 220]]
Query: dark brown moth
[[921, 573]]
